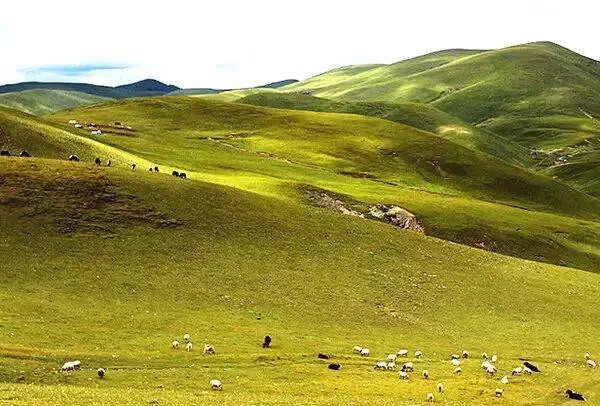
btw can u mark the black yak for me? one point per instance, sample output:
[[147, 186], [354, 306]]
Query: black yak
[[4, 153], [266, 342], [97, 161], [335, 367], [575, 395], [531, 366]]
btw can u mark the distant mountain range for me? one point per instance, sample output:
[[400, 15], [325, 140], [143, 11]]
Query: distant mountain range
[[147, 87]]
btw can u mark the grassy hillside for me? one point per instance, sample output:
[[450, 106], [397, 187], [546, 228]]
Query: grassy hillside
[[108, 265], [45, 101], [421, 116], [540, 95], [457, 193]]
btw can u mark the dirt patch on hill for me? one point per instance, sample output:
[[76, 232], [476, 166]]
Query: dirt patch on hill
[[73, 198], [391, 214]]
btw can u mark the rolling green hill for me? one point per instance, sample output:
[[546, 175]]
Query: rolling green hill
[[109, 265], [45, 101], [539, 95]]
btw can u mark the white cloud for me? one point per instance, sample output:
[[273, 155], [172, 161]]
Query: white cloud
[[245, 43]]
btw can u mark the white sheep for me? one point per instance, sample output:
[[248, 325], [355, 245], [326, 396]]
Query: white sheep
[[189, 346], [440, 387], [491, 370], [454, 356], [208, 349], [215, 384], [175, 344], [101, 372], [458, 370], [504, 380], [357, 349], [455, 362], [485, 364], [494, 358], [418, 354], [430, 397], [517, 371], [186, 337], [499, 392], [391, 366], [68, 366], [591, 363], [408, 366], [484, 356], [380, 365], [402, 375], [425, 374], [403, 353], [391, 357], [364, 352]]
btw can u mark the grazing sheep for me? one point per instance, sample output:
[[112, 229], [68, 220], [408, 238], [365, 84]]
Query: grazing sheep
[[175, 173], [380, 365], [455, 362], [484, 356], [182, 175], [4, 153], [531, 366], [76, 364], [133, 167], [402, 375], [24, 154], [186, 337], [440, 388], [504, 380], [494, 358], [208, 349], [97, 161], [418, 354], [499, 392], [78, 125], [391, 366], [430, 397], [101, 372], [454, 356], [391, 357], [71, 366], [403, 353], [425, 374], [215, 384], [189, 346], [72, 121], [408, 366], [591, 363], [587, 355], [517, 371], [322, 356], [485, 364], [364, 352], [335, 367], [491, 370], [458, 370], [357, 349], [175, 344], [156, 169], [527, 371], [574, 395], [266, 342], [465, 354], [73, 158]]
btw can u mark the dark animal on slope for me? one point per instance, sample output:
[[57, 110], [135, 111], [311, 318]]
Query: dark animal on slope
[[24, 154], [335, 367], [151, 169], [322, 356], [175, 173], [575, 395], [156, 169], [73, 158], [531, 366], [133, 167], [101, 372], [108, 163], [4, 153], [97, 161], [182, 175], [266, 342]]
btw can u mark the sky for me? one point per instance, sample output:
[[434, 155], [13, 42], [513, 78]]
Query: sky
[[231, 44]]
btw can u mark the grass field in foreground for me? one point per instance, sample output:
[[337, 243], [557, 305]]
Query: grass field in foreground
[[108, 265]]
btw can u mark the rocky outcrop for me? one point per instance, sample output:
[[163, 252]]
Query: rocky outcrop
[[396, 216]]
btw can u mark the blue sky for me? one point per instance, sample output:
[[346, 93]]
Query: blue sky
[[232, 43]]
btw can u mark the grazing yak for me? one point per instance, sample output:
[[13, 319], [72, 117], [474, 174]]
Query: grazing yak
[[24, 154], [175, 173], [4, 152], [266, 342], [73, 158], [182, 175], [97, 161], [335, 367]]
